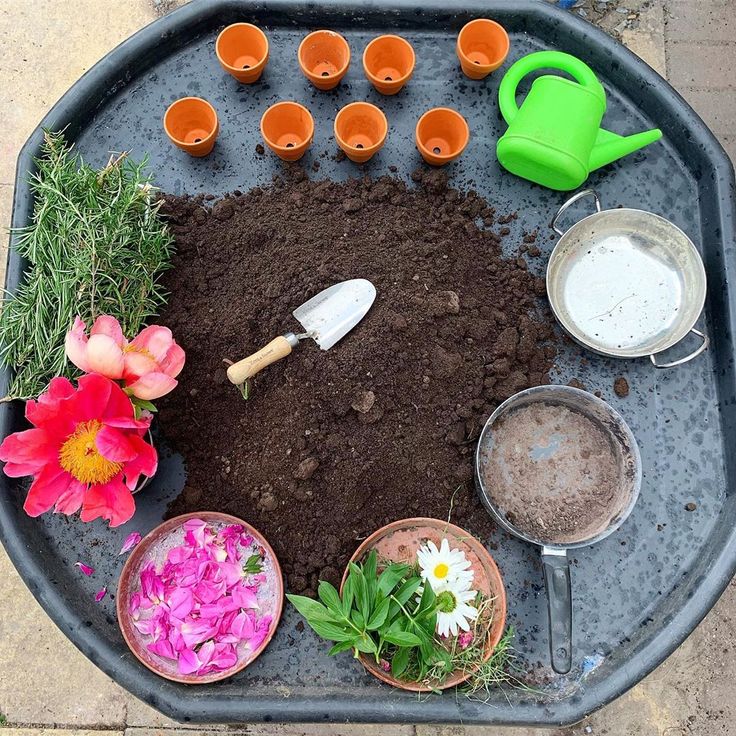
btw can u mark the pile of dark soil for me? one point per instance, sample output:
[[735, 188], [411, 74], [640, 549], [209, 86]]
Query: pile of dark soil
[[332, 445]]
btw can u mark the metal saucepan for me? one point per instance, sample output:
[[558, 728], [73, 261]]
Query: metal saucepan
[[559, 468], [626, 283]]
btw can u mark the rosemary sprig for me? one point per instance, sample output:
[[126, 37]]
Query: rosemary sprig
[[96, 245]]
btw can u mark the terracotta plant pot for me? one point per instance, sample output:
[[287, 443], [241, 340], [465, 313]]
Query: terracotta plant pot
[[288, 129], [360, 129], [388, 62], [399, 542], [324, 57], [191, 124], [154, 545], [482, 46], [242, 50], [441, 135]]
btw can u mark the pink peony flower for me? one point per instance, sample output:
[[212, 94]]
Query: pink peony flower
[[86, 450], [148, 365]]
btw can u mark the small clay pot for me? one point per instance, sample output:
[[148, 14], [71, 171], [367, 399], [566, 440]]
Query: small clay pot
[[242, 50], [482, 46], [441, 135], [399, 542], [288, 129], [360, 129], [154, 545], [388, 62], [191, 124], [324, 57]]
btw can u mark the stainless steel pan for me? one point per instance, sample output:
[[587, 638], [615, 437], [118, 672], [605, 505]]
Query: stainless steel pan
[[496, 441], [626, 283]]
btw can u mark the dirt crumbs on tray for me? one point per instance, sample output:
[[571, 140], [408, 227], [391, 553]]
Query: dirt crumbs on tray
[[553, 474], [332, 445]]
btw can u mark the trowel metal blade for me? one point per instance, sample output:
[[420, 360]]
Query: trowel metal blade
[[331, 314]]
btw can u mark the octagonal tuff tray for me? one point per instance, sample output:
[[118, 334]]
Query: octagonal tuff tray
[[638, 593]]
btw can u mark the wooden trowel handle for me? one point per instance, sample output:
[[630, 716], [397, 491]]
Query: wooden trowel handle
[[275, 350]]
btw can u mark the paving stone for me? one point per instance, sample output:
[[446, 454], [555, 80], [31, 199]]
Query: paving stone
[[45, 679], [716, 107], [45, 31], [40, 731], [646, 39], [693, 64], [701, 21]]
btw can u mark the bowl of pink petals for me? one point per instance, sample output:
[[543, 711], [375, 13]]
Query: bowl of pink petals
[[200, 597]]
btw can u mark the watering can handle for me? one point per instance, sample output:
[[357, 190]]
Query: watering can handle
[[577, 69]]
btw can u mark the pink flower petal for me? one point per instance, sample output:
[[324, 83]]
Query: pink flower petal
[[86, 569], [107, 325], [163, 648], [75, 345], [188, 662], [130, 541], [104, 356], [153, 385], [115, 445], [101, 593], [181, 602]]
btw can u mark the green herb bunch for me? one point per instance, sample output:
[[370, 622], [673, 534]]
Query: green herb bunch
[[381, 615], [96, 245]]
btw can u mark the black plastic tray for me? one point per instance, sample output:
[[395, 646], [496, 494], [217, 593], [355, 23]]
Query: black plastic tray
[[637, 594]]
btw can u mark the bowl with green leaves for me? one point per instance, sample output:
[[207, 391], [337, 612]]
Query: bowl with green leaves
[[422, 605]]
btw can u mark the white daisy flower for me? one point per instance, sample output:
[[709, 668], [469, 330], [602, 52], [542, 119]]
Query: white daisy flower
[[454, 612], [442, 567]]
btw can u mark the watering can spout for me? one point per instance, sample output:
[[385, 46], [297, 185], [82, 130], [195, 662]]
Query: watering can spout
[[609, 146]]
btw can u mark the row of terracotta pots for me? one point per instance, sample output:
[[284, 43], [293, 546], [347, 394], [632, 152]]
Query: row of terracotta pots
[[288, 129], [388, 60], [398, 542]]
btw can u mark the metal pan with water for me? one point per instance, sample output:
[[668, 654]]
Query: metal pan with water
[[626, 283], [559, 468]]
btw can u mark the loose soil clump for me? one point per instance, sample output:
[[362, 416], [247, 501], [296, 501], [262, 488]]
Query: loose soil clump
[[332, 445]]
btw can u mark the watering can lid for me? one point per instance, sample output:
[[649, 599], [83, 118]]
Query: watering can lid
[[576, 68]]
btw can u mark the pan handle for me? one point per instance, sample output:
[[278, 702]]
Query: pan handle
[[700, 349], [571, 201], [559, 606]]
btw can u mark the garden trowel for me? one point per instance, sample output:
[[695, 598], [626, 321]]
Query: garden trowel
[[326, 318]]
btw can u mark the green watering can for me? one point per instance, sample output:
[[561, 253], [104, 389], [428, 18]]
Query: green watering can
[[554, 139]]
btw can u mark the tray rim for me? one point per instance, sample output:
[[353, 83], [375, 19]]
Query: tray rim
[[101, 82]]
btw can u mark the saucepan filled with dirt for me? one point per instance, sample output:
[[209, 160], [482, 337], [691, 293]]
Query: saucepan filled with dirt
[[558, 468]]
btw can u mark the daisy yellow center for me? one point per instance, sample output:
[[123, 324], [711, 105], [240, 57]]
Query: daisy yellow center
[[441, 570], [80, 457]]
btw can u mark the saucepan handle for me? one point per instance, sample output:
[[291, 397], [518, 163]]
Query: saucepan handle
[[559, 605], [700, 349], [571, 201]]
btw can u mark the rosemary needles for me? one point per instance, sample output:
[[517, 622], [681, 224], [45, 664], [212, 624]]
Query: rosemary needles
[[96, 245]]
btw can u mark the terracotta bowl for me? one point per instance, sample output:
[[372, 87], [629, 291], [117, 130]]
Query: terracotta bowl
[[482, 46], [324, 58], [155, 546], [399, 542], [441, 135], [242, 50], [191, 124]]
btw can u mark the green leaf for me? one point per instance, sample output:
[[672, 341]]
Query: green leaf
[[407, 589], [366, 645], [253, 565], [141, 404], [379, 615], [427, 600], [361, 594], [400, 661], [342, 646], [310, 609], [402, 638], [330, 597], [348, 595], [391, 576], [333, 632], [369, 573], [357, 618]]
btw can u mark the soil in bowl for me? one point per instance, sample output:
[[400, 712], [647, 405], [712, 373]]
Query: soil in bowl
[[333, 445]]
